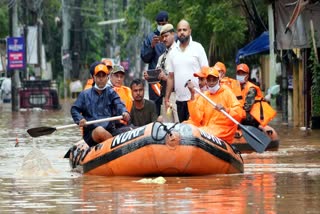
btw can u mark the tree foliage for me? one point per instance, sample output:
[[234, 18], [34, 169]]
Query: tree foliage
[[221, 26], [4, 21], [315, 87], [52, 35]]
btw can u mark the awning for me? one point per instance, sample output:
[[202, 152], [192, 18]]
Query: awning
[[258, 45]]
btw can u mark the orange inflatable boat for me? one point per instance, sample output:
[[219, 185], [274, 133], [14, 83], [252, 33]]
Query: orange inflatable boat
[[241, 144], [165, 149]]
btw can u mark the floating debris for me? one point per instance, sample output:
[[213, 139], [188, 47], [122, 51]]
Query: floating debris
[[158, 180]]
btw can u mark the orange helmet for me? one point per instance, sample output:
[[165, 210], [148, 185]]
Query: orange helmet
[[202, 73], [107, 62], [220, 67], [213, 72], [243, 67]]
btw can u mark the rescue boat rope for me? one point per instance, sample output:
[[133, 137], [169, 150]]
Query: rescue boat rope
[[165, 128]]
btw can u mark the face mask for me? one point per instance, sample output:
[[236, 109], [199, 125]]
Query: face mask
[[100, 89], [241, 78], [184, 39], [214, 89], [159, 27]]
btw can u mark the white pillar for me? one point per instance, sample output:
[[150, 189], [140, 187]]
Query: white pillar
[[272, 62]]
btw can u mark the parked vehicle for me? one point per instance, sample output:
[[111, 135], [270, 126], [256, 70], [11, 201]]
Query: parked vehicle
[[39, 94], [5, 89]]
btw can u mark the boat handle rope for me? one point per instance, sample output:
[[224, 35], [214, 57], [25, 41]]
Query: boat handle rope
[[165, 128]]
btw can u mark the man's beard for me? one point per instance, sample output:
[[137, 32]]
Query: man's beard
[[184, 39]]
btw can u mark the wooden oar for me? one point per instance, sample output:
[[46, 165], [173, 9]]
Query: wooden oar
[[255, 138], [44, 130]]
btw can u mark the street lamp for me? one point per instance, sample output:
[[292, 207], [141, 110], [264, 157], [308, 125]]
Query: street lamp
[[108, 22], [111, 21]]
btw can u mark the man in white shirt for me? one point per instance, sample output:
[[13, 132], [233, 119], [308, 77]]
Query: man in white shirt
[[186, 58]]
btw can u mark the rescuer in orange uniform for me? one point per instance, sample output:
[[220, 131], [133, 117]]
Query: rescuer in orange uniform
[[116, 79], [210, 118], [233, 84], [257, 110]]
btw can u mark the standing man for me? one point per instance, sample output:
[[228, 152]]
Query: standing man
[[151, 49], [143, 111], [186, 59], [95, 103], [168, 38]]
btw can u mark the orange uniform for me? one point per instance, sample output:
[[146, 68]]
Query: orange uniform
[[213, 121], [260, 110], [125, 95], [235, 87], [88, 84]]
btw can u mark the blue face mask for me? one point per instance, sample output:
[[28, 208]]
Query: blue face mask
[[100, 89], [241, 78], [159, 27]]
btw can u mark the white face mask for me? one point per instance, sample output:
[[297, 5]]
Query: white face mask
[[100, 89], [241, 78], [214, 89], [159, 27]]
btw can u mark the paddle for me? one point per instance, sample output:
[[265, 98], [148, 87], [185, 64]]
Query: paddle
[[44, 130], [255, 138]]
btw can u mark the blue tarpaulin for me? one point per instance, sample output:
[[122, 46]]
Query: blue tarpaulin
[[258, 45]]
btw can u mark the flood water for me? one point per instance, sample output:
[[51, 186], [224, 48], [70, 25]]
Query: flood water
[[34, 177]]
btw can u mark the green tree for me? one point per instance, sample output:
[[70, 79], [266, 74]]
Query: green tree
[[52, 35], [221, 26], [4, 20]]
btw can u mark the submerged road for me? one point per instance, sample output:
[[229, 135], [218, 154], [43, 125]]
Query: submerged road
[[34, 177]]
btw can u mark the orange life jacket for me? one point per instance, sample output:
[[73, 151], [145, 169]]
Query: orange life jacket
[[88, 84], [125, 95], [261, 110], [234, 85]]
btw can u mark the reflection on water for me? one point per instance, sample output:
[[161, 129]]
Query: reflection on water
[[34, 177]]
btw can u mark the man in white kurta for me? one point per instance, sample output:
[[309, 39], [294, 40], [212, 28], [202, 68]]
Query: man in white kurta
[[186, 58]]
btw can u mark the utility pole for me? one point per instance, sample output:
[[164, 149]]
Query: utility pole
[[65, 52], [113, 52], [15, 78], [106, 31], [76, 46]]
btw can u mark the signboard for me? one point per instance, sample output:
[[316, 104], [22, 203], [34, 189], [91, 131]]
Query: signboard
[[16, 53]]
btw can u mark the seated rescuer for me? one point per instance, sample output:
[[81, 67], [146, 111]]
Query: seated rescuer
[[257, 110], [90, 81], [210, 119], [202, 74], [202, 86], [233, 84], [116, 80], [96, 103], [143, 111]]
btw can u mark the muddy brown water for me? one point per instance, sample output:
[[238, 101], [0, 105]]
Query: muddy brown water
[[34, 177]]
